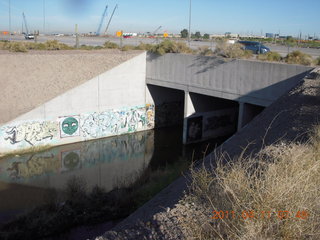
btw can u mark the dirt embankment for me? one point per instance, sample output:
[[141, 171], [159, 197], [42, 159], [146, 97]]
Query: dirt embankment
[[289, 119], [30, 79]]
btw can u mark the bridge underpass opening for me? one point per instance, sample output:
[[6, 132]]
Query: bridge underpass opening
[[170, 109], [247, 112], [208, 117], [169, 105]]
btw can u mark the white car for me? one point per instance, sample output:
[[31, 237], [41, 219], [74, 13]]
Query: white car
[[29, 36]]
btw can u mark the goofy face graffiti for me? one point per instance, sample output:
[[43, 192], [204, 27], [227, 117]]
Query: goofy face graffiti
[[70, 125]]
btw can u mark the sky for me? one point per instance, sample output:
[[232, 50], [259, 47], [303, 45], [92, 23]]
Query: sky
[[287, 17]]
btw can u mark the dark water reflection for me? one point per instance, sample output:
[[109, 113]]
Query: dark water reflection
[[26, 180]]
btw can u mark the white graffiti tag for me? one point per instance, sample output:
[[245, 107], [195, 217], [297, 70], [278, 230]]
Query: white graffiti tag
[[32, 132]]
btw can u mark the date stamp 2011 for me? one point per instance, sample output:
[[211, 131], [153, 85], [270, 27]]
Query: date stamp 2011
[[252, 214]]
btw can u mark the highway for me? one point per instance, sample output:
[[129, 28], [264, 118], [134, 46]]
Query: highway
[[98, 41]]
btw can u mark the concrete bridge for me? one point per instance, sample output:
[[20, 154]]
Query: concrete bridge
[[246, 86], [210, 96]]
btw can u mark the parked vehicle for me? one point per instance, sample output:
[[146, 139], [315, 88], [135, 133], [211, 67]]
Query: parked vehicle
[[29, 36], [255, 47]]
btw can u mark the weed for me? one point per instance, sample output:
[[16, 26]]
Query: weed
[[228, 50], [297, 57], [55, 45], [110, 45], [128, 48], [17, 47], [258, 192], [270, 56], [168, 46], [144, 46], [205, 51]]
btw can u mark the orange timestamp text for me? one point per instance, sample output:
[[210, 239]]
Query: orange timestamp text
[[252, 214]]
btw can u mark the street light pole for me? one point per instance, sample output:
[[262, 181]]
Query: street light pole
[[9, 20], [44, 16], [189, 33]]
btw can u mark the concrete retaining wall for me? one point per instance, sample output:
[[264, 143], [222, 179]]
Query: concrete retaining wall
[[110, 104]]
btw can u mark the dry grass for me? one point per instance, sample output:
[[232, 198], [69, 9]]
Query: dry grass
[[270, 56], [205, 51], [297, 57], [168, 46], [228, 50], [25, 46], [283, 177]]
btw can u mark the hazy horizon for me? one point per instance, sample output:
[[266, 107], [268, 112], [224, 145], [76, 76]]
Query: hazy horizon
[[243, 17]]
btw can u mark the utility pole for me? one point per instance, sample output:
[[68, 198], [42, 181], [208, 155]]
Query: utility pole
[[189, 35], [9, 20], [77, 36], [44, 16]]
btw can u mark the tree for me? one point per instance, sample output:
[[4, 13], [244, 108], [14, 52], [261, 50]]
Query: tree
[[206, 36], [197, 35], [184, 33]]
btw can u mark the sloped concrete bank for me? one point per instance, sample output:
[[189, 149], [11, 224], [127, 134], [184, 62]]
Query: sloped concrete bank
[[289, 119]]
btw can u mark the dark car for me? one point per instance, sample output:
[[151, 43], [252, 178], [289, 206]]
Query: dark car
[[255, 47]]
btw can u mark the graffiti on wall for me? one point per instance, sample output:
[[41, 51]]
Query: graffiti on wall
[[115, 122], [59, 160], [87, 126], [70, 160], [194, 129], [34, 165], [31, 133], [150, 116], [69, 126]]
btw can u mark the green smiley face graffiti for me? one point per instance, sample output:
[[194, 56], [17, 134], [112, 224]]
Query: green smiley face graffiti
[[71, 160], [70, 125]]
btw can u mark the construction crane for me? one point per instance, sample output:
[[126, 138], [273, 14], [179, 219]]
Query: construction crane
[[105, 32], [152, 35], [101, 21], [27, 35], [25, 23]]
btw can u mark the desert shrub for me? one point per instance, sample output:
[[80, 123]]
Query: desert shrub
[[205, 51], [35, 46], [274, 195], [55, 45], [17, 47], [3, 45], [168, 46], [225, 49], [317, 61], [85, 47], [144, 46], [297, 57], [98, 47], [270, 56], [110, 45], [128, 48]]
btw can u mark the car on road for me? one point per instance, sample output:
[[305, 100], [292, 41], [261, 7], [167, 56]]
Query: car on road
[[255, 47], [29, 36]]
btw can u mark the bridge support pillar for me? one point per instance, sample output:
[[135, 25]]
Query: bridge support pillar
[[189, 110]]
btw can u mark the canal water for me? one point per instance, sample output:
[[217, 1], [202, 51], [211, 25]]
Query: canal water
[[26, 181]]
